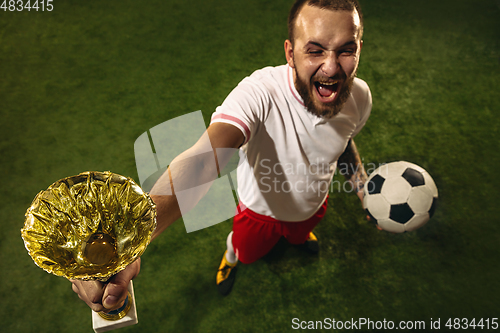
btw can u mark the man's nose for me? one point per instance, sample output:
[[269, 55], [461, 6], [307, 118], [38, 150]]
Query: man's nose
[[331, 64]]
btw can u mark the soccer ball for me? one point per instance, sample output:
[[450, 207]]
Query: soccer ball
[[400, 196]]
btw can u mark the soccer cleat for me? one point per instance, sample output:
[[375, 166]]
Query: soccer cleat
[[225, 276], [311, 245]]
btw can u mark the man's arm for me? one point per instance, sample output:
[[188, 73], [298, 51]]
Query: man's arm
[[192, 171], [352, 168], [193, 166]]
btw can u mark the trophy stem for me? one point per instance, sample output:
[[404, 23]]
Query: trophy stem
[[125, 316], [118, 313]]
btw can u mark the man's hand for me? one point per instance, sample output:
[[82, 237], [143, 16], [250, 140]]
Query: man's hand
[[110, 296], [352, 168]]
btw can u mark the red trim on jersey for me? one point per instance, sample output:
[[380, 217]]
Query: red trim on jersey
[[291, 88], [236, 120]]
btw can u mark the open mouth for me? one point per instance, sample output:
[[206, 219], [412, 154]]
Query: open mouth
[[327, 90]]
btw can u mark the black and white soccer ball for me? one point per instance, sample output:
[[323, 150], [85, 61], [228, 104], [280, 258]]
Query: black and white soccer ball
[[400, 196]]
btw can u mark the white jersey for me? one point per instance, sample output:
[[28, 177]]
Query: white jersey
[[289, 155]]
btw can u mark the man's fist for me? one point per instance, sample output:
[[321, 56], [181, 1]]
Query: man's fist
[[107, 296]]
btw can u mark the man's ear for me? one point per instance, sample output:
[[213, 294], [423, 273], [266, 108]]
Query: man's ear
[[289, 53]]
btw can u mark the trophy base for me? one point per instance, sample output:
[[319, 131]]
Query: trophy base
[[125, 317], [118, 313]]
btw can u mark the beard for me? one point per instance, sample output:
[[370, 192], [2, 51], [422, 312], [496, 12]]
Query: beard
[[324, 110]]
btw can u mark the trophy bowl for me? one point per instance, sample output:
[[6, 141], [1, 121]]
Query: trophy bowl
[[89, 226]]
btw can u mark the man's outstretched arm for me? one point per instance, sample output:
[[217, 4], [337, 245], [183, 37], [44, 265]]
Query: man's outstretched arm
[[193, 166]]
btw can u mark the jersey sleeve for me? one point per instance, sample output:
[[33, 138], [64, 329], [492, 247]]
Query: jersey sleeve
[[363, 98], [243, 108]]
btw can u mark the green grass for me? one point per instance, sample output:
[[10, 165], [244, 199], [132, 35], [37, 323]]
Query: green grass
[[79, 84]]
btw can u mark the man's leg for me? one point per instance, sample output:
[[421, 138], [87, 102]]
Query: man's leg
[[230, 255], [227, 268], [253, 236], [300, 233]]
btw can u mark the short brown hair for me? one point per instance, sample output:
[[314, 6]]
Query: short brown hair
[[348, 5]]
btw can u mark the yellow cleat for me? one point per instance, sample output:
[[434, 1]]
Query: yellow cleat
[[311, 245], [312, 237], [225, 276]]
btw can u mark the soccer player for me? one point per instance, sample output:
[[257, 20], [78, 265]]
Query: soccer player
[[298, 120], [293, 125]]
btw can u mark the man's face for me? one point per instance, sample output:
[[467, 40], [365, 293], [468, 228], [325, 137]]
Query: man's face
[[324, 57]]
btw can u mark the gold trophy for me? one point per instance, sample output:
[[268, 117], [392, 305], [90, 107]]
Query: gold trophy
[[90, 227]]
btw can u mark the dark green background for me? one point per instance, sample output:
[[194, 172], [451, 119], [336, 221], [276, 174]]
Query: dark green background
[[79, 84]]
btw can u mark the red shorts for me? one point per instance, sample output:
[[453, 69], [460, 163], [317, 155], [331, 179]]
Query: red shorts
[[254, 235]]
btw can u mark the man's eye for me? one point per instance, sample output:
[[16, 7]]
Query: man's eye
[[315, 52], [347, 52]]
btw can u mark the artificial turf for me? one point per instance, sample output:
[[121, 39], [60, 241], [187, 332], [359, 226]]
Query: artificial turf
[[79, 84]]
